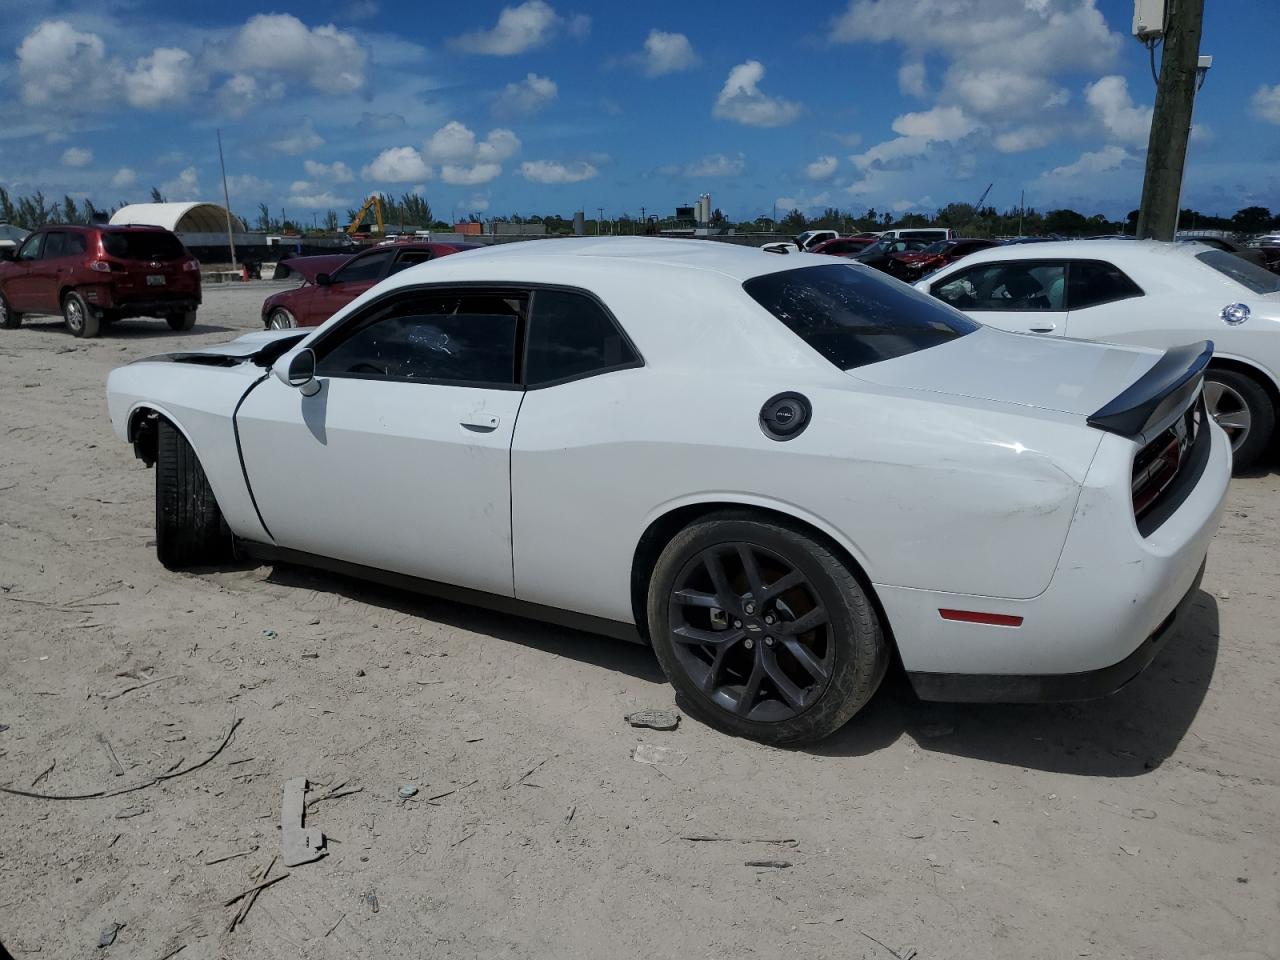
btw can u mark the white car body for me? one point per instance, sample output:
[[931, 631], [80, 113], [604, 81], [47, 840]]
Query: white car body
[[1177, 298], [961, 476], [811, 238]]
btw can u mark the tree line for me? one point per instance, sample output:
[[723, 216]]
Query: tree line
[[413, 210]]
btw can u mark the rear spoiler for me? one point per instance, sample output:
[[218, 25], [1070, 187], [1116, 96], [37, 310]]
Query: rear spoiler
[[1155, 396]]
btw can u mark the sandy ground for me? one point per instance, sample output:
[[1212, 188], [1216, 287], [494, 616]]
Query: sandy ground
[[1146, 825]]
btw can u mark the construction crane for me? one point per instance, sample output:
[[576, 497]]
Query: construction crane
[[374, 201], [978, 206]]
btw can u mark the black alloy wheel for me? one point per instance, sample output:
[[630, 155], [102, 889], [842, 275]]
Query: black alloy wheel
[[763, 630]]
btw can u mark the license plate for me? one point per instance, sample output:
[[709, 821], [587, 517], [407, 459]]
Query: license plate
[[155, 280]]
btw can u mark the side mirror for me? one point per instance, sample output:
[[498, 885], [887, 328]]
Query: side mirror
[[323, 280], [298, 370]]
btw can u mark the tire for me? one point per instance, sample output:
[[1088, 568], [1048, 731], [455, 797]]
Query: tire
[[1244, 409], [281, 319], [190, 530], [8, 318], [181, 321], [81, 319], [847, 655]]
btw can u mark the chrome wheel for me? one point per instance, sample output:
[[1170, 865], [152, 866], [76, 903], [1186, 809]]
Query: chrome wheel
[[1229, 409], [281, 319], [74, 314]]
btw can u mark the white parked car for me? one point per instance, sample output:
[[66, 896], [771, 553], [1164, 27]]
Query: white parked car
[[811, 238], [1146, 293], [777, 470]]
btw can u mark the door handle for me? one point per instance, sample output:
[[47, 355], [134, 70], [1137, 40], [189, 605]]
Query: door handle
[[480, 423], [1047, 328]]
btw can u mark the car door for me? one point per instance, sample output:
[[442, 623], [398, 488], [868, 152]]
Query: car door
[[1099, 300], [19, 289], [1025, 296], [350, 280], [63, 249], [401, 460]]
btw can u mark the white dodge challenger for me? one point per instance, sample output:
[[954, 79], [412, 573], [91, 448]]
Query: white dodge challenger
[[780, 472]]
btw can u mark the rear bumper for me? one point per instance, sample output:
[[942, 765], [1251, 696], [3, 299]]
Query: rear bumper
[[1050, 688], [1112, 601], [130, 304], [152, 308]]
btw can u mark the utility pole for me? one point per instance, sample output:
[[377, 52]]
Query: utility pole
[[1171, 121], [599, 219], [226, 199]]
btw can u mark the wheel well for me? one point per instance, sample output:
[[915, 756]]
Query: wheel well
[[144, 434], [62, 294], [1253, 373], [662, 530]]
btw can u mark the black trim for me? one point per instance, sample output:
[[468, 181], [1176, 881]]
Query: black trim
[[1056, 687], [244, 470], [1071, 264], [477, 598], [203, 359], [1153, 397]]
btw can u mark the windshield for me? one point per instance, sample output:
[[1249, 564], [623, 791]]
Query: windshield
[[1257, 279], [854, 317], [142, 245], [939, 247]]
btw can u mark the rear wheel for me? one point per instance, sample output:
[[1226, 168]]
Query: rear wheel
[[80, 318], [189, 527], [281, 319], [9, 319], [181, 321], [763, 630], [1243, 409]]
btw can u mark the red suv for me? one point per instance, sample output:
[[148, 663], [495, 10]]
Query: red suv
[[94, 275]]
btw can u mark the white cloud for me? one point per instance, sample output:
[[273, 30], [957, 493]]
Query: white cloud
[[168, 76], [242, 92], [548, 171], [397, 165], [186, 186], [666, 53], [465, 160], [336, 172], [822, 168], [298, 139], [1096, 161], [246, 183], [742, 100], [1111, 104], [714, 165], [58, 63], [913, 79], [124, 177], [1266, 103], [526, 97], [579, 26], [77, 157], [315, 201], [1024, 138], [816, 202], [518, 29], [329, 59], [940, 123]]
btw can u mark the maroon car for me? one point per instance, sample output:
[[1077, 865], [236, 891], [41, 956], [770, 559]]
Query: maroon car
[[912, 266], [844, 246], [329, 283], [94, 275]]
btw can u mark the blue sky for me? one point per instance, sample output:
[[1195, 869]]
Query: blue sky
[[548, 106]]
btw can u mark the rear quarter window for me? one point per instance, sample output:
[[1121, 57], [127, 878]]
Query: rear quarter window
[[1250, 275], [854, 317]]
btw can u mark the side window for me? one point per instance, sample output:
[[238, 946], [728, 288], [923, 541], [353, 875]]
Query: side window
[[409, 258], [1093, 282], [369, 267], [55, 245], [31, 247], [75, 245], [1013, 286], [570, 335], [463, 338]]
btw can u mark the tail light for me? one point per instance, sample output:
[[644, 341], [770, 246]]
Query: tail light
[[190, 266], [100, 266]]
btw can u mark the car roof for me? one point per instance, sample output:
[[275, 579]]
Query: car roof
[[639, 253], [1133, 251]]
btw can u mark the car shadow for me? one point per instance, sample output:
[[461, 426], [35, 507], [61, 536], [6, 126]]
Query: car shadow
[[1125, 735], [633, 659], [139, 329]]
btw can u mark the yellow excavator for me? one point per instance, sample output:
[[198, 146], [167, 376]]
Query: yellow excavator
[[374, 201]]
